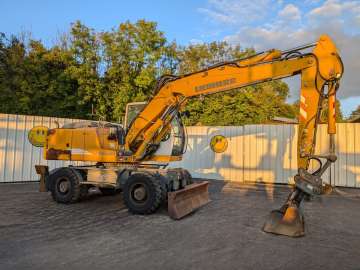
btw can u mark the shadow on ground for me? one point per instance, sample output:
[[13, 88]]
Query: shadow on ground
[[99, 233]]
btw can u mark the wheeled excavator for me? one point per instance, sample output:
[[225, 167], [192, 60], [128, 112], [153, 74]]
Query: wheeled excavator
[[131, 157]]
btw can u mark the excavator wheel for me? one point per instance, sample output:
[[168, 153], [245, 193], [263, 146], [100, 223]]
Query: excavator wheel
[[65, 185], [142, 193]]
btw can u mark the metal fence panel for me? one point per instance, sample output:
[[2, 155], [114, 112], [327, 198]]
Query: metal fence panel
[[255, 153], [17, 156], [268, 154], [347, 167]]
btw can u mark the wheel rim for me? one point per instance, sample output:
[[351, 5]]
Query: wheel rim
[[138, 193], [63, 185]]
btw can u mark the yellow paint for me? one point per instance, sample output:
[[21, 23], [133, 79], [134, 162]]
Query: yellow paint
[[218, 144], [37, 135]]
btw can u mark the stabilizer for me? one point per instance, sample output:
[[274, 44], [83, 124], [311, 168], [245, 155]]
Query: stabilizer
[[184, 201]]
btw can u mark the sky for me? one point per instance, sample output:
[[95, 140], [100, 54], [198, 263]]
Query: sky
[[262, 24]]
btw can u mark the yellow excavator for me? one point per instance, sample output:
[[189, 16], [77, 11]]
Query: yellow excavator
[[133, 157]]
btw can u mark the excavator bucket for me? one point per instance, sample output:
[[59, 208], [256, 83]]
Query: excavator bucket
[[289, 222], [184, 201]]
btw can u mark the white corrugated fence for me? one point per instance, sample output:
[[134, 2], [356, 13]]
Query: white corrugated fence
[[17, 156], [255, 153]]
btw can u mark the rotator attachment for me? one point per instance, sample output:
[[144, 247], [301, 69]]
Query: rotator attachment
[[289, 220]]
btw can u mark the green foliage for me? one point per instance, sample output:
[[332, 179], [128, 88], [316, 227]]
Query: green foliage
[[249, 105], [325, 110], [33, 80], [355, 113], [90, 75], [133, 57]]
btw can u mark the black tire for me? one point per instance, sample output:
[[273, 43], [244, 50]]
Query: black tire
[[65, 185], [133, 193], [187, 176], [108, 191]]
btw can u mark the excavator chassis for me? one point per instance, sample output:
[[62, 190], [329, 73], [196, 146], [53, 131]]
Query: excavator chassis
[[145, 188]]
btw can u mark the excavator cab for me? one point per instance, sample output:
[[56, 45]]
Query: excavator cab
[[173, 142], [132, 111]]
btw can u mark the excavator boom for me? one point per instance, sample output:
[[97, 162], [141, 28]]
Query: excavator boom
[[320, 72], [319, 68]]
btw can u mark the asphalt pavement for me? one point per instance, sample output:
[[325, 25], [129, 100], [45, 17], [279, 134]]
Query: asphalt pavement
[[99, 233]]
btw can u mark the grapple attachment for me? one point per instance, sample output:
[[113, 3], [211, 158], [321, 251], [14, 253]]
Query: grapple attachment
[[289, 222], [184, 201]]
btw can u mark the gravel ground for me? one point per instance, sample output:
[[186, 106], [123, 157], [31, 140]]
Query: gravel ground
[[99, 233]]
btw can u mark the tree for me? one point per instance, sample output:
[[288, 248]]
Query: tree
[[355, 113], [84, 67], [324, 111], [33, 80], [253, 104], [12, 53], [134, 56], [89, 72], [84, 71]]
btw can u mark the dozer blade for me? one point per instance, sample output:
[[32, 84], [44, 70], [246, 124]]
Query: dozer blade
[[183, 202], [289, 222]]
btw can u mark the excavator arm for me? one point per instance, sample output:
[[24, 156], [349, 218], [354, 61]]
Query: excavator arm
[[320, 71]]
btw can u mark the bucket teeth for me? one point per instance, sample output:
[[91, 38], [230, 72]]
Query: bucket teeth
[[184, 201], [289, 222]]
